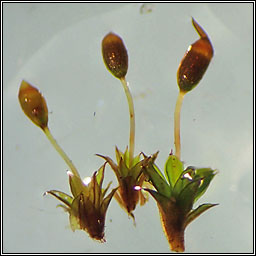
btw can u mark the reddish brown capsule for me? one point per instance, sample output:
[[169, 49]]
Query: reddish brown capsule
[[195, 62], [115, 55], [33, 104]]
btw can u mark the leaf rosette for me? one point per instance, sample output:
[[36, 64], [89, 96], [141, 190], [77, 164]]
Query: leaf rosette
[[88, 206], [175, 194], [130, 178]]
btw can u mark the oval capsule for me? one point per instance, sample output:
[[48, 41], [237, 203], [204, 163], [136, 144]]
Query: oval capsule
[[195, 62], [115, 55], [33, 104]]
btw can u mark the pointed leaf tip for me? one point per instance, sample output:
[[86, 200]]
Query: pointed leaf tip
[[173, 169], [198, 211]]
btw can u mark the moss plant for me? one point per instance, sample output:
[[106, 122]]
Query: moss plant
[[128, 168], [177, 192], [88, 205]]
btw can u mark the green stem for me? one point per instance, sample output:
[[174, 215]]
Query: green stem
[[132, 119], [177, 123], [60, 151]]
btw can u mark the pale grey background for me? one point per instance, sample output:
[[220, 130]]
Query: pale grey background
[[57, 47]]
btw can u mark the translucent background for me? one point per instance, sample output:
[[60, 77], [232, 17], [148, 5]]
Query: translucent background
[[57, 48]]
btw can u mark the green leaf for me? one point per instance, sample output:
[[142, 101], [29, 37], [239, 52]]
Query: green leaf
[[119, 154], [99, 181], [152, 160], [186, 197], [173, 169], [77, 186], [63, 197], [198, 211], [158, 171], [136, 159], [207, 175], [181, 182], [123, 168], [126, 158], [158, 182], [100, 175]]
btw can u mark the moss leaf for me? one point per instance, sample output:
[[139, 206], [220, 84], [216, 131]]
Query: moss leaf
[[198, 211], [63, 197], [173, 169], [158, 182]]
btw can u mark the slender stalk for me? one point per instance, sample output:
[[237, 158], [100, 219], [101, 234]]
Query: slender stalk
[[60, 151], [177, 123], [132, 119]]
